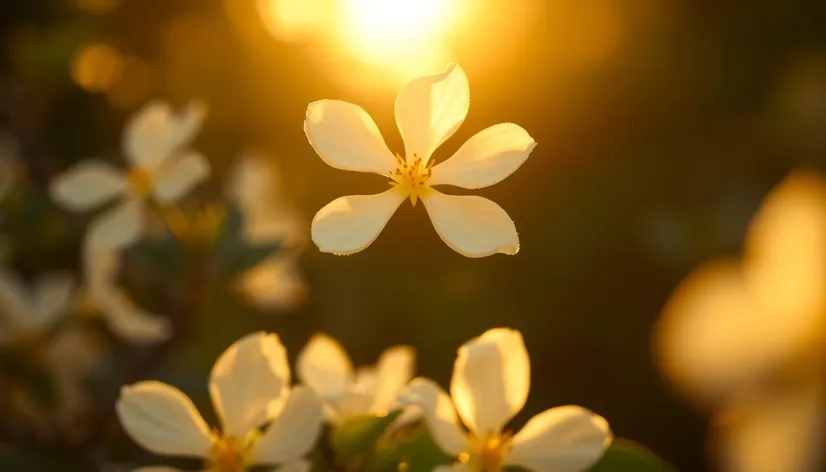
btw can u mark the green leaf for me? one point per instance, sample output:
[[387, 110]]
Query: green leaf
[[161, 256], [410, 448], [356, 438], [230, 232], [628, 456]]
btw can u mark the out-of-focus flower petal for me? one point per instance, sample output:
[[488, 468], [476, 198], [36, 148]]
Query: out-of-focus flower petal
[[179, 175], [294, 466], [429, 109], [347, 138], [394, 371], [88, 185], [155, 132], [564, 439], [491, 380], [118, 227], [274, 284], [472, 226], [163, 420], [54, 296], [324, 366], [250, 383], [485, 159], [440, 414], [294, 432], [349, 224], [782, 431]]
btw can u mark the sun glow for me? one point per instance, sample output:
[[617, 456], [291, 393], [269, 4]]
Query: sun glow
[[405, 35]]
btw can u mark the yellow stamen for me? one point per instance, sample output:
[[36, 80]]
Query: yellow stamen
[[411, 179], [227, 454], [140, 181], [487, 454]]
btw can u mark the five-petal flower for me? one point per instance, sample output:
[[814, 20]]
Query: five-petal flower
[[155, 144], [324, 366], [250, 387], [428, 111], [491, 379]]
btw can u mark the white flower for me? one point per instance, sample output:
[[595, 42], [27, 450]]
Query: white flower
[[104, 296], [28, 312], [745, 338], [324, 366], [275, 283], [155, 144], [491, 379], [428, 110], [249, 386]]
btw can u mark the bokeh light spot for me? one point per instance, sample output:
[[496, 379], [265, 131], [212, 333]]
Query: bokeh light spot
[[97, 67]]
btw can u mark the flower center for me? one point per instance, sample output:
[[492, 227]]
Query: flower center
[[411, 179], [140, 181], [227, 454], [487, 454]]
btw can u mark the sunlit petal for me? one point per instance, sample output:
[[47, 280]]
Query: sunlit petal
[[564, 439], [345, 137], [294, 466], [348, 405], [775, 432], [713, 337], [394, 371], [439, 413], [87, 185], [785, 263], [155, 132], [274, 284], [491, 380], [429, 109], [249, 383], [485, 159], [162, 420], [349, 224], [324, 366], [118, 227], [294, 432], [15, 304], [179, 175], [472, 226]]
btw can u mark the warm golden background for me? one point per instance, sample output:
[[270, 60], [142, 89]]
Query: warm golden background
[[660, 123]]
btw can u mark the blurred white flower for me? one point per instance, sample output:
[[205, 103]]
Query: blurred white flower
[[27, 312], [276, 283], [250, 387], [747, 336], [161, 166], [428, 111], [491, 380], [112, 302], [324, 366]]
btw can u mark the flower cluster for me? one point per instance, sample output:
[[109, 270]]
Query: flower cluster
[[266, 421]]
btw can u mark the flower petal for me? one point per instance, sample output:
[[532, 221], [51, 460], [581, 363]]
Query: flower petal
[[564, 439], [429, 109], [274, 284], [87, 185], [324, 366], [350, 404], [179, 176], [118, 227], [394, 372], [440, 414], [294, 432], [250, 383], [163, 420], [349, 224], [16, 304], [346, 137], [472, 226], [294, 466], [155, 132], [714, 338], [128, 321], [781, 431], [54, 296], [485, 159], [491, 380]]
